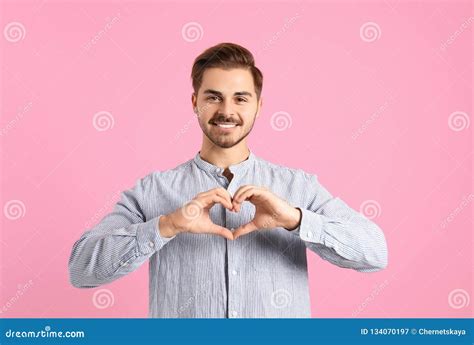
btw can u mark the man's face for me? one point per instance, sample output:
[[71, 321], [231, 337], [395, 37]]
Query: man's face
[[227, 105]]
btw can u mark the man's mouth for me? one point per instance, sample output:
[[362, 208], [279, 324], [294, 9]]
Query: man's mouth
[[225, 124]]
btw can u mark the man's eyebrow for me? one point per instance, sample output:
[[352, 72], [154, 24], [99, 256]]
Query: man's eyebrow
[[218, 93]]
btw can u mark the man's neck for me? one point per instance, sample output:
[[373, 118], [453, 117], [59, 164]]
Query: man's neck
[[223, 158]]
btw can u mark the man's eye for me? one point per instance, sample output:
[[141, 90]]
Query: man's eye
[[240, 99], [213, 98]]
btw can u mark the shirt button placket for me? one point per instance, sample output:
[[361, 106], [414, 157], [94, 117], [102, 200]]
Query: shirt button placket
[[234, 255], [232, 272]]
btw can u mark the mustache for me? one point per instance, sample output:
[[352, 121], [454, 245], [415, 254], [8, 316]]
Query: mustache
[[223, 119]]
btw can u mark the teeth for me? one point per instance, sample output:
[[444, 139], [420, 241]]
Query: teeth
[[226, 126]]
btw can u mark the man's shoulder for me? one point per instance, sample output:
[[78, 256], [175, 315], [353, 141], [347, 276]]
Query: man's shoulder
[[273, 168], [167, 173], [286, 171]]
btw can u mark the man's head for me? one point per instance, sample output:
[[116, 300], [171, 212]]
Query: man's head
[[227, 93]]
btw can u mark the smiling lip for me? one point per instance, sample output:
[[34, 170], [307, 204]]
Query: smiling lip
[[226, 126]]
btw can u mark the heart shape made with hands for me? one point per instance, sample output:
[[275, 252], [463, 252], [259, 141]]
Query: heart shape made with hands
[[270, 210]]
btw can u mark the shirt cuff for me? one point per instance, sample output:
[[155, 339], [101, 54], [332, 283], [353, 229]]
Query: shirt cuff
[[149, 238], [310, 228]]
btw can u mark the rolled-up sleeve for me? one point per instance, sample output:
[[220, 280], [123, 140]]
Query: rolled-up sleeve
[[120, 243], [339, 234]]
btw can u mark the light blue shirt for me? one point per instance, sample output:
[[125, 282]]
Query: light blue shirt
[[262, 274]]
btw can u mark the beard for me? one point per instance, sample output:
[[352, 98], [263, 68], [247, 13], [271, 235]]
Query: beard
[[226, 140]]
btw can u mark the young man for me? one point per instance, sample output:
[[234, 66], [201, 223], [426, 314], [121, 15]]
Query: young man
[[226, 232]]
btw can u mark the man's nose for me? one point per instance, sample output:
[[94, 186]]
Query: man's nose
[[226, 108]]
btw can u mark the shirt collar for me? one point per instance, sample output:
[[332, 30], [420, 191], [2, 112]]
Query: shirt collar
[[215, 170]]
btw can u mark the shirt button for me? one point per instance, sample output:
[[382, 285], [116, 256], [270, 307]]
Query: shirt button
[[233, 313], [151, 244], [234, 272]]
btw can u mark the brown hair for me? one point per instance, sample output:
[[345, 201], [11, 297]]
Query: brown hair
[[226, 56]]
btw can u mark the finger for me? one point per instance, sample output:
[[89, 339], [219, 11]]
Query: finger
[[238, 195], [221, 231], [211, 200], [223, 193], [244, 230], [247, 195], [237, 199], [192, 209], [242, 189], [213, 191]]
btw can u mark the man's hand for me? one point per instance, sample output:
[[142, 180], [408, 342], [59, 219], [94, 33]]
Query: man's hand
[[270, 210], [194, 215]]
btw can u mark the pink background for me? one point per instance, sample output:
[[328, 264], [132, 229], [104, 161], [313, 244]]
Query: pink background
[[381, 116]]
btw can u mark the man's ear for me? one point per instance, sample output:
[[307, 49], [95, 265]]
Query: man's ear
[[194, 102], [260, 104]]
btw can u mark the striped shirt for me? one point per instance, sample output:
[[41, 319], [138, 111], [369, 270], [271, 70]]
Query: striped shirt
[[261, 274]]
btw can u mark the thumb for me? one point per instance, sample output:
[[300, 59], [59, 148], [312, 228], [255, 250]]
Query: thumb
[[244, 230], [221, 231]]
